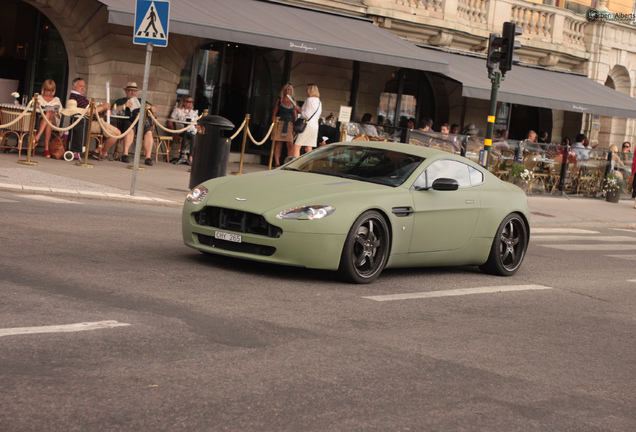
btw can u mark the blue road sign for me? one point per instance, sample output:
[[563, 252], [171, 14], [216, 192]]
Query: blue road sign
[[152, 18]]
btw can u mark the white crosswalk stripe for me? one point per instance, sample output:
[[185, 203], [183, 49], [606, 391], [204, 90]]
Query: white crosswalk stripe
[[457, 292], [561, 238]]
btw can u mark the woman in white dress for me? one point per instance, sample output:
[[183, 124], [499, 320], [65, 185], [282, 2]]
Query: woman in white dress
[[312, 108], [51, 105]]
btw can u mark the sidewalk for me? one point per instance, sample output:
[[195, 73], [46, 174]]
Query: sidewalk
[[167, 184], [163, 183]]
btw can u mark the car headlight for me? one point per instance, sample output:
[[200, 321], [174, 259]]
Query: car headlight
[[196, 195], [307, 212]]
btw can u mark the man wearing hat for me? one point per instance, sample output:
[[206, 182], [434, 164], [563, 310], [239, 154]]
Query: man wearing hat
[[78, 102], [131, 106]]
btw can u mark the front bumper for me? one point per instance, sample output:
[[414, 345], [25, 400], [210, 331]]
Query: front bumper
[[317, 251]]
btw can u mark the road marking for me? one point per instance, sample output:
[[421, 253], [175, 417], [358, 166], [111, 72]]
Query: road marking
[[67, 328], [625, 257], [2, 200], [591, 247], [631, 280], [562, 231], [561, 238], [457, 292], [624, 229], [49, 199]]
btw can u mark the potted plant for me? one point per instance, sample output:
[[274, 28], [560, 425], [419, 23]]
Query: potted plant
[[520, 175], [611, 188]]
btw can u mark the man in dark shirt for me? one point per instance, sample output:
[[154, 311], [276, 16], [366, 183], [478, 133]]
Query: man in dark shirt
[[77, 94]]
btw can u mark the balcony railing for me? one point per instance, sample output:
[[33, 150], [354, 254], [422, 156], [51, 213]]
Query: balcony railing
[[564, 30]]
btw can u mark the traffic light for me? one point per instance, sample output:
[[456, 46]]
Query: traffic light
[[501, 48], [510, 30], [494, 54]]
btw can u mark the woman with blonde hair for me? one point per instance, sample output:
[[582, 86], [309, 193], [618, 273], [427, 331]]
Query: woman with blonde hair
[[286, 110], [312, 108], [51, 106]]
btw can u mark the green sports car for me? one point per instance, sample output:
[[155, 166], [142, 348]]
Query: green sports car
[[359, 207]]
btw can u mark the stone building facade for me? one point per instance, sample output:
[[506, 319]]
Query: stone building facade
[[553, 37]]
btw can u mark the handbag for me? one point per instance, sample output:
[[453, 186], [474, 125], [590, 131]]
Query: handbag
[[300, 123], [57, 148]]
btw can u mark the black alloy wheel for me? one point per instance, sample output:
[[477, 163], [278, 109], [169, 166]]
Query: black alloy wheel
[[508, 247], [366, 249]]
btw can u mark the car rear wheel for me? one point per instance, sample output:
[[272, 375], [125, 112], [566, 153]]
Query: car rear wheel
[[366, 249], [508, 247]]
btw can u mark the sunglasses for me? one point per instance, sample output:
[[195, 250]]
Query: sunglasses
[[189, 101]]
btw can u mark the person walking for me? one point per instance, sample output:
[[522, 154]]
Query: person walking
[[312, 108]]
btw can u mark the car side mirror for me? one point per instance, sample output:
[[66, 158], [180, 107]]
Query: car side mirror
[[445, 184]]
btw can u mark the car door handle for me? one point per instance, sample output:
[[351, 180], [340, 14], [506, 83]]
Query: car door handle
[[470, 201]]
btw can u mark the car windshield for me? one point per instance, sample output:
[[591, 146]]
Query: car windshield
[[374, 165]]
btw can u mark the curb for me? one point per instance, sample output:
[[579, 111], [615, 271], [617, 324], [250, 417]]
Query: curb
[[105, 196]]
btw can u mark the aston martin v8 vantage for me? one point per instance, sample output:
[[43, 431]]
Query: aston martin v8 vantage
[[359, 207]]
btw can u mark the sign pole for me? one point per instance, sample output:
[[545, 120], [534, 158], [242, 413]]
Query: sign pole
[[142, 118]]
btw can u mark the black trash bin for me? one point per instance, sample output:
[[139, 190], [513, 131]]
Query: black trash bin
[[211, 150]]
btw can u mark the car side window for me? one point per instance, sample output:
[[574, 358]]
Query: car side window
[[465, 175]]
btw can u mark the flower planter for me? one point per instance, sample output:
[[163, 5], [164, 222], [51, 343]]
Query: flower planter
[[613, 196]]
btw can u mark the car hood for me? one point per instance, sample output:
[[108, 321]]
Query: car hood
[[264, 191]]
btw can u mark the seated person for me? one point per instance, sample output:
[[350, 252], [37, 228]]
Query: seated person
[[77, 95], [366, 128], [132, 107], [327, 134], [184, 113], [617, 164], [51, 106]]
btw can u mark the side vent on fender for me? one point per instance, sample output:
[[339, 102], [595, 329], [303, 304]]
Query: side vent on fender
[[402, 211]]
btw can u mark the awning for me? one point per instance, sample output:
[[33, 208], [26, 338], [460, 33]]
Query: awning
[[285, 27], [537, 87]]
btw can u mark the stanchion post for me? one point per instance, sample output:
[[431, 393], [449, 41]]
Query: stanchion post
[[91, 111], [31, 134], [247, 124], [271, 153]]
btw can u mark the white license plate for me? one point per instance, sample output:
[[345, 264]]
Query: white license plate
[[236, 238]]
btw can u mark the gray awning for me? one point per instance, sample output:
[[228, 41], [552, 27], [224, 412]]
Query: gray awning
[[285, 27], [538, 87]]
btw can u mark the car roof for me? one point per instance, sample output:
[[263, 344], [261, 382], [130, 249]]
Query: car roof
[[425, 152]]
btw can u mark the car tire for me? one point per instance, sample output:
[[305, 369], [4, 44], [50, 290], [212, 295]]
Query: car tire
[[508, 247], [366, 249]]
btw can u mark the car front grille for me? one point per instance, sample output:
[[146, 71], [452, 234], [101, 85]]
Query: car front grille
[[249, 248], [237, 221]]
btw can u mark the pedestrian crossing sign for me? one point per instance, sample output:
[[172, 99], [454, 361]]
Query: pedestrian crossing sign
[[152, 18]]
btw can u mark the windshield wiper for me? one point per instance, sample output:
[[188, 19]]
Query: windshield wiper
[[332, 173]]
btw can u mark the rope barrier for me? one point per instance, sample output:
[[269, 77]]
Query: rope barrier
[[238, 131], [177, 131], [109, 135], [59, 129], [264, 139], [17, 119]]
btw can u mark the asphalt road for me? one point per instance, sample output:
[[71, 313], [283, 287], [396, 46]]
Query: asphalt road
[[193, 342]]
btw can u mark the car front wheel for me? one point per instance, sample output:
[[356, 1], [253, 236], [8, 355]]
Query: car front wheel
[[366, 249], [508, 247]]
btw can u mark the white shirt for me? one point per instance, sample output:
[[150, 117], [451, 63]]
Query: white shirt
[[181, 115], [368, 129], [310, 106], [580, 151]]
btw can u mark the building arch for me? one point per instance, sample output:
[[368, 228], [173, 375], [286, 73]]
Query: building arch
[[614, 130]]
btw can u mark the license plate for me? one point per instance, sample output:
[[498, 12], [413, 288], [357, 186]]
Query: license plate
[[236, 238]]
